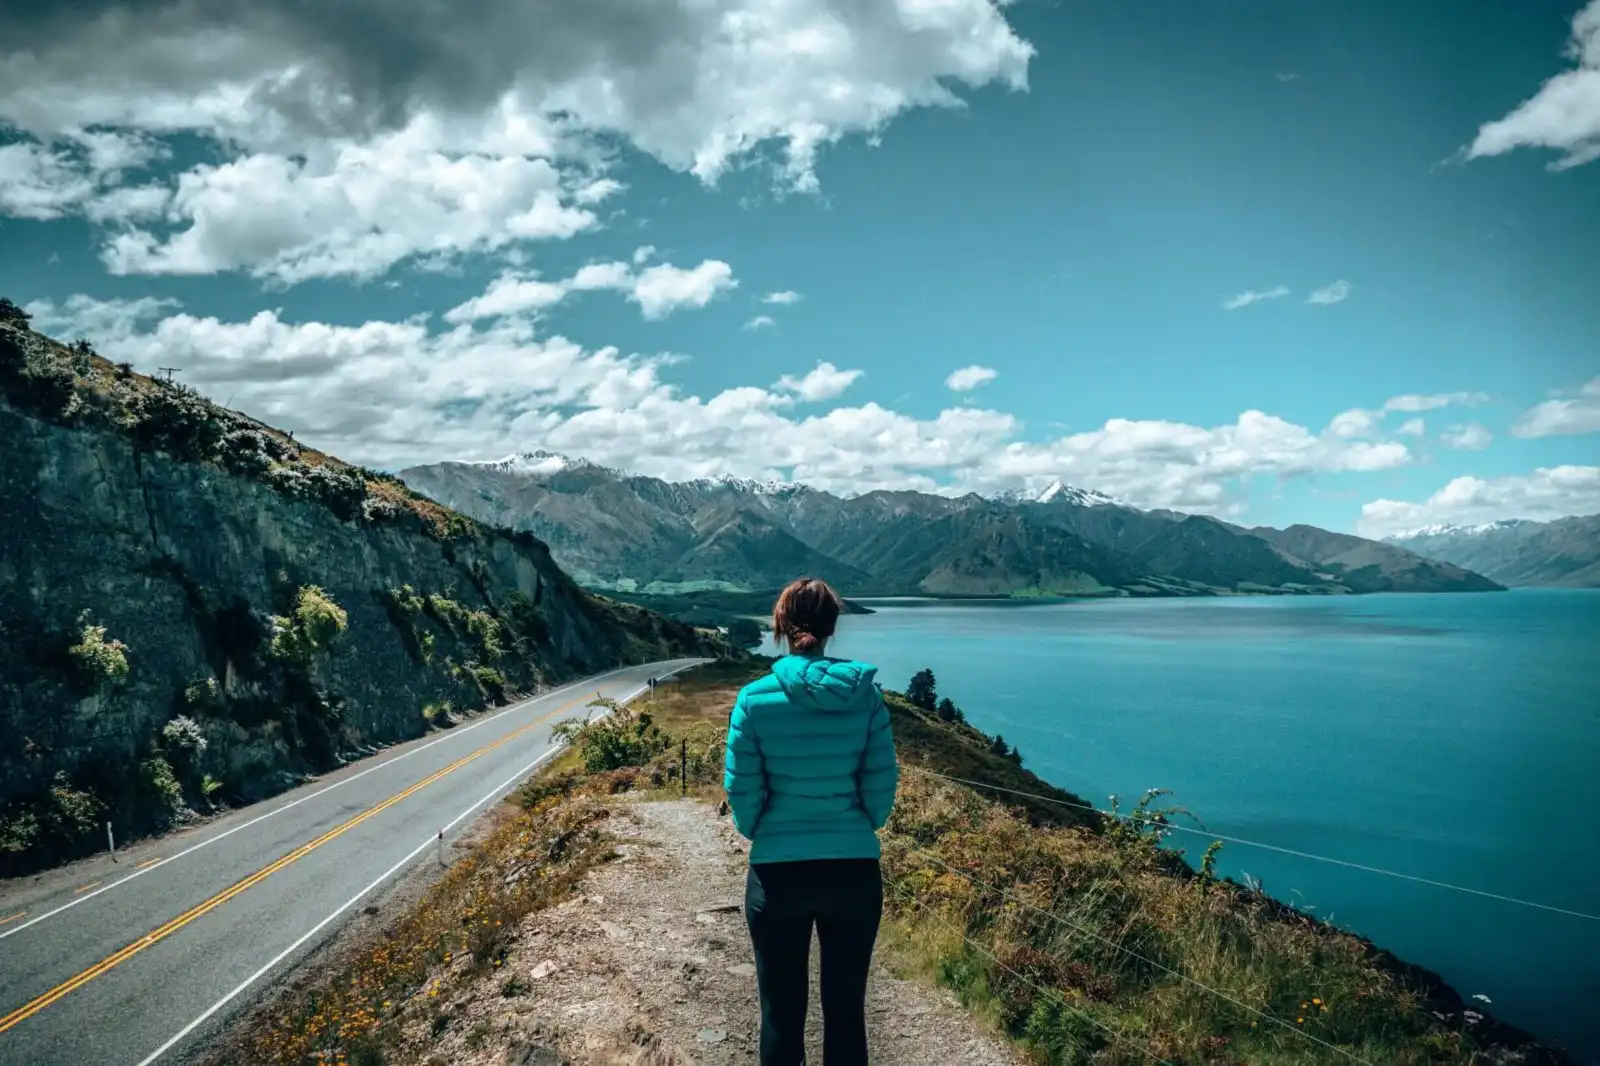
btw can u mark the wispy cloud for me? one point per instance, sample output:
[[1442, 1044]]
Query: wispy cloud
[[970, 377], [1288, 76], [761, 322], [1564, 114], [1338, 292], [783, 298], [1252, 296], [1467, 437], [1579, 413]]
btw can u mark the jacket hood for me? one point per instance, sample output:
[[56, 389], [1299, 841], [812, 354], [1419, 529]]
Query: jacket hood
[[827, 684]]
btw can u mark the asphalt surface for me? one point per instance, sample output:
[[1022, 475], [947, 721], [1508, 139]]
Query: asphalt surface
[[135, 962]]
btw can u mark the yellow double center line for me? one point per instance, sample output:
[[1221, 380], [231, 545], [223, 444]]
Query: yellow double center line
[[23, 1013]]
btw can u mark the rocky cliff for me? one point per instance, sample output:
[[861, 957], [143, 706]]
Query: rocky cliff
[[194, 608]]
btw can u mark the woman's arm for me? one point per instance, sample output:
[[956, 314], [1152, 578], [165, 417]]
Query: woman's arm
[[744, 778], [880, 772]]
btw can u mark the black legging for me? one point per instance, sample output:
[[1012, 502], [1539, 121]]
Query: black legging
[[843, 898]]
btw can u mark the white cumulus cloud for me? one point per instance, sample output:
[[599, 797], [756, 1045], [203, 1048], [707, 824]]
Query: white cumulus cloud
[[970, 377], [784, 297], [398, 393], [1579, 413], [341, 143], [1564, 115], [1544, 494], [658, 290], [824, 382]]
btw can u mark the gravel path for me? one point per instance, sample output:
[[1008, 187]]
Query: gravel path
[[651, 966]]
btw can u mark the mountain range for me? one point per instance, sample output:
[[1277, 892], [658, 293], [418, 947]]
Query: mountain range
[[1563, 553], [626, 532]]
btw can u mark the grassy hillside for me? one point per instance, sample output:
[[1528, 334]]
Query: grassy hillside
[[1077, 936]]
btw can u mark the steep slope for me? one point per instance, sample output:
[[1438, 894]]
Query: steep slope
[[1563, 553], [1208, 552], [195, 607], [738, 549], [1371, 566]]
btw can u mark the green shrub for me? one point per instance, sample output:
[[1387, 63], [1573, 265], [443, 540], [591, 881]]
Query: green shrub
[[97, 662], [158, 781], [439, 714], [524, 617], [341, 491], [203, 695], [491, 682], [314, 624], [184, 741], [245, 452], [19, 832], [12, 315], [620, 737], [209, 787], [176, 419]]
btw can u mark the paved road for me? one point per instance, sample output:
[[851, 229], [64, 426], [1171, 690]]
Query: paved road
[[134, 962]]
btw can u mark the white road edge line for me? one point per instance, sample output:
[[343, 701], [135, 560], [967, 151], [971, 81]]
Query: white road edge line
[[321, 791], [431, 841]]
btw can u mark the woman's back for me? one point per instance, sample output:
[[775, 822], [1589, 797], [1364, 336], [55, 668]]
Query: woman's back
[[811, 770]]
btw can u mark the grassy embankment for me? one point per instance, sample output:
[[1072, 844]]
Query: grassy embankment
[[1082, 941]]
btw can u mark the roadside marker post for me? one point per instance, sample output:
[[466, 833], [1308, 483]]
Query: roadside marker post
[[683, 766], [111, 842], [441, 847]]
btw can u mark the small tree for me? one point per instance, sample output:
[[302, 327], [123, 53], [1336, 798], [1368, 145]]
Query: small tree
[[921, 691], [998, 746], [949, 712], [12, 315], [744, 633]]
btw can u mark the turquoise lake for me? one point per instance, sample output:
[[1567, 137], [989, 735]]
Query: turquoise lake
[[1451, 737]]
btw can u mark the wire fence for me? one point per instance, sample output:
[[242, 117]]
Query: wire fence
[[1167, 825]]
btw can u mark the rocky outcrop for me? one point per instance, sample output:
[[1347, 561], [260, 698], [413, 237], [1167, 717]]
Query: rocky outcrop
[[146, 581]]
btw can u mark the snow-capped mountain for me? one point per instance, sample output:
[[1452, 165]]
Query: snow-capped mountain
[[1516, 551], [630, 532], [1450, 529], [1059, 492]]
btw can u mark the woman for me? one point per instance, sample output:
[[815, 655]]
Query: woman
[[810, 776]]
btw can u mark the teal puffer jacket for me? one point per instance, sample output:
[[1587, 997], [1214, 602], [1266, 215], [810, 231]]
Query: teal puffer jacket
[[810, 765]]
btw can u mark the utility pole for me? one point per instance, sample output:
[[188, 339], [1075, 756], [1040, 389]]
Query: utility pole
[[169, 371]]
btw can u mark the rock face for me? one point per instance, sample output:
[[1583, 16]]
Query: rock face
[[634, 534], [1564, 553], [138, 587]]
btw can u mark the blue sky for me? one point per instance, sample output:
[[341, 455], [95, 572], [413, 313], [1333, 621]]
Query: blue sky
[[1069, 195]]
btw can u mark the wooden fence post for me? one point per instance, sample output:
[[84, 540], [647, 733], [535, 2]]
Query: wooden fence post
[[683, 766]]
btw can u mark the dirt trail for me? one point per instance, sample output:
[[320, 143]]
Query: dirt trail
[[651, 966]]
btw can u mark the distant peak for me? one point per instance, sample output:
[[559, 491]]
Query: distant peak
[[1059, 492], [1451, 529], [536, 464]]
